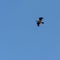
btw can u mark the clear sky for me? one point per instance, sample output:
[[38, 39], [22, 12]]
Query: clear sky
[[20, 38]]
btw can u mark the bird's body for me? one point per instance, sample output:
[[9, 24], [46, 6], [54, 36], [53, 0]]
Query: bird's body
[[40, 21]]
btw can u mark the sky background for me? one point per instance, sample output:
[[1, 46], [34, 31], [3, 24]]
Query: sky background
[[20, 38]]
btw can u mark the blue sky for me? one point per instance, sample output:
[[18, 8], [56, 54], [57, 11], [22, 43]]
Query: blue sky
[[20, 38]]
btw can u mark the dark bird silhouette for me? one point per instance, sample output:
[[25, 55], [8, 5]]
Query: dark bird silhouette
[[40, 21]]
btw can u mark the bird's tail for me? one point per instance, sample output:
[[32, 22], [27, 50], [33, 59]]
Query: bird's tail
[[42, 22]]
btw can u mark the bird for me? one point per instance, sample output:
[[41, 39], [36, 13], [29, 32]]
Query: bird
[[40, 21]]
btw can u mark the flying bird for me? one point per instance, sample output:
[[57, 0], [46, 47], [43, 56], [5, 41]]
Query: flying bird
[[40, 21]]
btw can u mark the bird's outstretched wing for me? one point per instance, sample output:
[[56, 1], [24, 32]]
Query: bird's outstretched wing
[[40, 18]]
